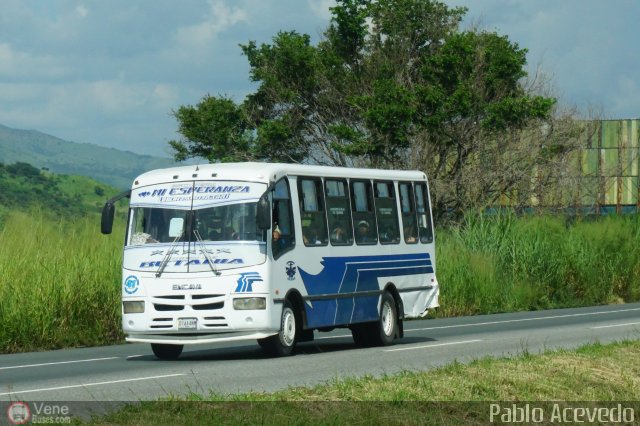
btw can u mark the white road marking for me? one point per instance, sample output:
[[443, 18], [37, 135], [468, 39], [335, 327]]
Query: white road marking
[[332, 337], [616, 325], [498, 322], [58, 363], [523, 319], [432, 346], [135, 356], [91, 384]]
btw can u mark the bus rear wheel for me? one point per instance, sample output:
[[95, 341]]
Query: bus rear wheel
[[282, 344], [381, 332], [164, 351], [387, 325], [362, 334]]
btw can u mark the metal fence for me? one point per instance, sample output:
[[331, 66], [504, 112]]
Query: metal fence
[[601, 177], [608, 166]]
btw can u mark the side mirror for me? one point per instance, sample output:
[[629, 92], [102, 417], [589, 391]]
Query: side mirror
[[263, 213], [108, 211], [106, 224]]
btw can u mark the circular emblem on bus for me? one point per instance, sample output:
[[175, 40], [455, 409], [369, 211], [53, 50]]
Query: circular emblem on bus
[[131, 284], [18, 413]]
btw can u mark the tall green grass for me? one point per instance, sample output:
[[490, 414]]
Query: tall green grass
[[60, 279], [59, 282], [505, 263]]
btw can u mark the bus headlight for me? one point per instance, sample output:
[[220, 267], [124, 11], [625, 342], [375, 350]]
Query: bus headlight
[[133, 307], [247, 303]]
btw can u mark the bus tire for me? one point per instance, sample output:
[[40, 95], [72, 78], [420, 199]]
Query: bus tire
[[164, 351], [387, 325], [363, 333], [282, 344]]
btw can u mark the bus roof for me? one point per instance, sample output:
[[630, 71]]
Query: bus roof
[[265, 172]]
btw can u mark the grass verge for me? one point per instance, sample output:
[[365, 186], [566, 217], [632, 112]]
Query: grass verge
[[598, 375]]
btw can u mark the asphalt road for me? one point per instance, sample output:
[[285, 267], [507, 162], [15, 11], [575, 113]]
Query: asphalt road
[[131, 373]]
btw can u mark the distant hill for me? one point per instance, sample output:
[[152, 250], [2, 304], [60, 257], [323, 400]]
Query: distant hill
[[23, 186], [112, 166]]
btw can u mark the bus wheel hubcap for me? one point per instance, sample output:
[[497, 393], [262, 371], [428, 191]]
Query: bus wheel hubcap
[[387, 319], [288, 327]]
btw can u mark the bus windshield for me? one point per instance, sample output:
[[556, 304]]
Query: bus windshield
[[231, 222]]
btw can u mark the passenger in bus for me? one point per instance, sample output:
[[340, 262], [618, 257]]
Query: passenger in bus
[[410, 234], [311, 236], [387, 236], [228, 233], [364, 233], [279, 242], [276, 234], [338, 236]]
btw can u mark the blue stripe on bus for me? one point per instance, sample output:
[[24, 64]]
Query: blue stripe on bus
[[355, 274]]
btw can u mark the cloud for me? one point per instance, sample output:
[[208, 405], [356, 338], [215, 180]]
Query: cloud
[[23, 66], [220, 18], [165, 96], [320, 8], [112, 72], [82, 11], [7, 58], [626, 106]]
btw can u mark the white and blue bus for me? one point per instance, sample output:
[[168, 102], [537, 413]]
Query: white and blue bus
[[272, 252]]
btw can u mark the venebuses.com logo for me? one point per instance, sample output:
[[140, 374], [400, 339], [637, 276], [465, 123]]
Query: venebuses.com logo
[[18, 413]]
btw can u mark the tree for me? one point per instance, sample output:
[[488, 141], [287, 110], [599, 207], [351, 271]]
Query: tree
[[394, 83], [23, 169], [216, 129]]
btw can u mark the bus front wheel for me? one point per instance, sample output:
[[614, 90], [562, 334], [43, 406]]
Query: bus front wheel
[[282, 344], [164, 351]]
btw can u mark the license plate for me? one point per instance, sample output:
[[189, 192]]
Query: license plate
[[187, 322]]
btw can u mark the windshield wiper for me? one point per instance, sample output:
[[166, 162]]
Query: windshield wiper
[[168, 255], [204, 251]]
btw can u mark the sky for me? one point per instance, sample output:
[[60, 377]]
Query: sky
[[111, 72]]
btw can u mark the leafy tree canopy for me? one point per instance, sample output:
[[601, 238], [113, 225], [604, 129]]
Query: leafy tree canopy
[[393, 83]]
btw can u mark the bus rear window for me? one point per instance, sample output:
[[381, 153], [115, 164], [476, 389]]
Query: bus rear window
[[409, 219], [424, 214]]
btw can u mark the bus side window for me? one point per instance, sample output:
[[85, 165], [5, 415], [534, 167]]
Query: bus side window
[[424, 213], [409, 220], [338, 213], [314, 223], [387, 213], [283, 237], [364, 216]]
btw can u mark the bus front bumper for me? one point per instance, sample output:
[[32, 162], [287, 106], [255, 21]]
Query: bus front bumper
[[196, 339]]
